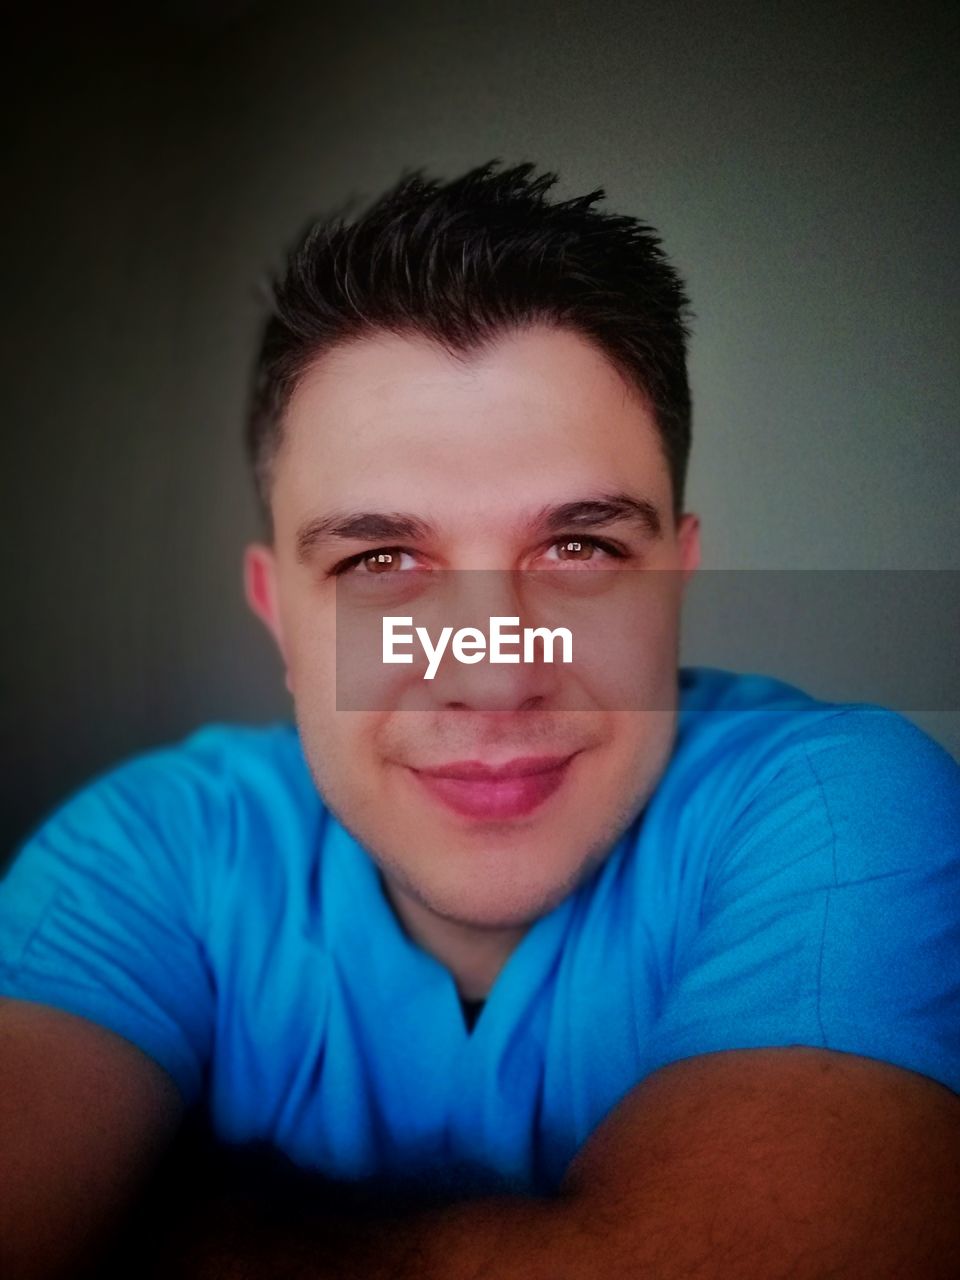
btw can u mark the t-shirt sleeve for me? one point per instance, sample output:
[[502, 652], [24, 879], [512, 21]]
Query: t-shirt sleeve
[[101, 911], [831, 909]]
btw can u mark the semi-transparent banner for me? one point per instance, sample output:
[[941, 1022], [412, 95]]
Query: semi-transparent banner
[[568, 639]]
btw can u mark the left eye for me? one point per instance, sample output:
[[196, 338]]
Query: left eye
[[578, 548], [379, 563]]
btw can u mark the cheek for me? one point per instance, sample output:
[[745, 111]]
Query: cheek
[[340, 749], [640, 748], [626, 644], [652, 738], [338, 744], [311, 653]]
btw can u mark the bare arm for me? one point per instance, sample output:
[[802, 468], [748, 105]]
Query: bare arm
[[84, 1115], [798, 1163]]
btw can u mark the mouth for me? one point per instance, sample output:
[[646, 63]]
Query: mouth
[[482, 791]]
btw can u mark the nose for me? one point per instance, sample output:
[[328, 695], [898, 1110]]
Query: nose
[[486, 685]]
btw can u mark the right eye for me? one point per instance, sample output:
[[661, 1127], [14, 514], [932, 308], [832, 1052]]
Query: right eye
[[381, 562]]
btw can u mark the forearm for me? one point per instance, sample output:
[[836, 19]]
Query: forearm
[[248, 1214], [675, 1236], [768, 1164], [503, 1237], [223, 1211], [569, 1238]]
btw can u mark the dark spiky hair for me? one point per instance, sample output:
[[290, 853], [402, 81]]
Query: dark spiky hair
[[461, 262]]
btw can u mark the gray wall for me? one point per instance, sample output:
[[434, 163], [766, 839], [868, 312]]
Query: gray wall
[[798, 158]]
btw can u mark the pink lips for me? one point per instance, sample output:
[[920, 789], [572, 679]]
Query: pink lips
[[477, 790]]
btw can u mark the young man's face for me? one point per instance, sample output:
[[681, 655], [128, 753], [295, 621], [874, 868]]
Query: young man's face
[[478, 451]]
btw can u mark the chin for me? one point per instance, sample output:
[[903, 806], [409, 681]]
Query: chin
[[489, 906], [500, 889]]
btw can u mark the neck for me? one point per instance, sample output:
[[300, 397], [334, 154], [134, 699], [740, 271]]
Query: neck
[[473, 954]]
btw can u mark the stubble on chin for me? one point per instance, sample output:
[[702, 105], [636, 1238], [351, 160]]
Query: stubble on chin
[[509, 904]]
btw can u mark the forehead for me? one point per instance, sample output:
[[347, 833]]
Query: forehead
[[395, 416]]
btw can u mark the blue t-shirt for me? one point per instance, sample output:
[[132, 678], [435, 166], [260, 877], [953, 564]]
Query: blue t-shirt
[[793, 880]]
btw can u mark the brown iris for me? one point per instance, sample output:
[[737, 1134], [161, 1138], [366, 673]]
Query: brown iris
[[575, 549], [381, 561]]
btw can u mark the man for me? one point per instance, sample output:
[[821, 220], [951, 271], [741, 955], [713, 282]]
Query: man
[[662, 985]]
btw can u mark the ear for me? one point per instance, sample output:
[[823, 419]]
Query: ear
[[262, 595], [688, 539]]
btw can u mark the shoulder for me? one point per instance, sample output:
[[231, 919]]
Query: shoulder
[[820, 845], [180, 779], [768, 724], [178, 807], [260, 769], [766, 765], [108, 908]]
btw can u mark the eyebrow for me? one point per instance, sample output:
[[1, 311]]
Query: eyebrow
[[592, 512], [596, 512]]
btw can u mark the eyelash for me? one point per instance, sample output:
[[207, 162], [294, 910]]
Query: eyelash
[[610, 548]]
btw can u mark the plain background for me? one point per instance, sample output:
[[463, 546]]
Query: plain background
[[799, 159]]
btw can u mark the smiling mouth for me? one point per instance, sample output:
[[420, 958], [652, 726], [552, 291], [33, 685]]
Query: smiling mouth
[[474, 789]]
